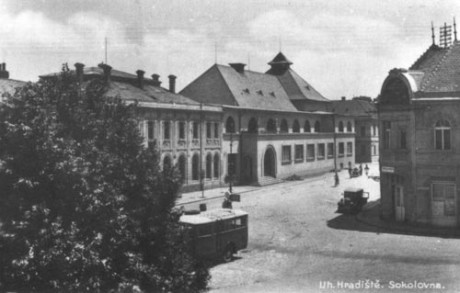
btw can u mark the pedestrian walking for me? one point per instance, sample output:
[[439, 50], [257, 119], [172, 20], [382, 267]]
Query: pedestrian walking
[[336, 179]]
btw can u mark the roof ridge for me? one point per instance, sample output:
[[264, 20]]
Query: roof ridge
[[423, 56]]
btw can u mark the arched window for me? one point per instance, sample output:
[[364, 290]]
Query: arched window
[[306, 126], [252, 126], [182, 163], [195, 167], [340, 126], [271, 126], [230, 125], [349, 128], [216, 165], [317, 126], [284, 126], [208, 166], [442, 135], [167, 163], [296, 126]]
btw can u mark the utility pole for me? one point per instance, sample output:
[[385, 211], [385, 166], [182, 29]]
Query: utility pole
[[202, 172]]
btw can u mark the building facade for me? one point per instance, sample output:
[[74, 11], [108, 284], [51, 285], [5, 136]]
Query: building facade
[[419, 138], [266, 136], [363, 111], [187, 134]]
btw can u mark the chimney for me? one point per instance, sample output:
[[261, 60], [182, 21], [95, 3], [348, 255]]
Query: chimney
[[172, 83], [343, 98], [156, 79], [239, 67], [140, 78], [3, 73], [79, 71], [107, 69]]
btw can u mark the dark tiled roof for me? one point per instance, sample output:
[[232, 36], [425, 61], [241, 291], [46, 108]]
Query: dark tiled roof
[[298, 89], [125, 86], [280, 58], [354, 107], [438, 70], [96, 71], [147, 93], [256, 90]]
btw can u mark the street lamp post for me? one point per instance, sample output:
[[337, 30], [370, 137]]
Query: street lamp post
[[230, 177]]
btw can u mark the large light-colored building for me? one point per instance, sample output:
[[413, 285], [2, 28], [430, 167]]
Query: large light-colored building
[[276, 123]]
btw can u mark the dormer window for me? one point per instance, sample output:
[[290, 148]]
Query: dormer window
[[246, 91], [259, 92]]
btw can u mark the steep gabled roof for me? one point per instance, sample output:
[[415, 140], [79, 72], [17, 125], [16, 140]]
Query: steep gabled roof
[[298, 89], [438, 70], [256, 90], [294, 85]]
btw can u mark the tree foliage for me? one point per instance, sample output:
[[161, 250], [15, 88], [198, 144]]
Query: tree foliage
[[84, 206]]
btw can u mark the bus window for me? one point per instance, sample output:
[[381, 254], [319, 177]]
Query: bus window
[[204, 230]]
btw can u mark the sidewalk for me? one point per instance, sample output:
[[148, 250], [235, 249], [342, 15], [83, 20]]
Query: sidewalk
[[197, 196], [370, 216]]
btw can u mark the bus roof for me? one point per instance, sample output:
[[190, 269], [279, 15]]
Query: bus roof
[[211, 216]]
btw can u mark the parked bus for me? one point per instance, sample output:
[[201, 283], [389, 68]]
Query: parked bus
[[218, 233]]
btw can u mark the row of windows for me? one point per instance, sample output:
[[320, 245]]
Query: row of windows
[[271, 126], [318, 152], [373, 130], [342, 129], [442, 136], [212, 167], [212, 130]]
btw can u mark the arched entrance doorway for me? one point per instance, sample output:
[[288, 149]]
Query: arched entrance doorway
[[270, 162]]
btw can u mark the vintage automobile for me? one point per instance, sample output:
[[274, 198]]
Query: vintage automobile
[[354, 173], [353, 201]]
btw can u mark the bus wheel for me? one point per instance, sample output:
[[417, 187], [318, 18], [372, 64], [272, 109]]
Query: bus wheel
[[228, 254]]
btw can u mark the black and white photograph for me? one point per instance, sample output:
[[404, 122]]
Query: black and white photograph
[[239, 146]]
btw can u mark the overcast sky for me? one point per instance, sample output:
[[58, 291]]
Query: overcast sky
[[343, 48]]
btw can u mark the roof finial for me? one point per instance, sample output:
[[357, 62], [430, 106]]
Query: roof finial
[[432, 33], [455, 31]]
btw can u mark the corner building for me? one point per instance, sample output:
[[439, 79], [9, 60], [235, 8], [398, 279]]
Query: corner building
[[419, 139]]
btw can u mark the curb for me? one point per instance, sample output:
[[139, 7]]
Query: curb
[[209, 198]]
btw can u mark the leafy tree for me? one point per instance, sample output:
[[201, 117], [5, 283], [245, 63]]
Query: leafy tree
[[84, 206]]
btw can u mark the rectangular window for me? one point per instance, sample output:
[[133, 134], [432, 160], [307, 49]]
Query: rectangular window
[[166, 130], [341, 149], [310, 152], [374, 150], [150, 130], [445, 192], [216, 130], [402, 140], [286, 154], [330, 150], [208, 130], [321, 151], [181, 130], [386, 134], [349, 149], [442, 138], [299, 153], [196, 130]]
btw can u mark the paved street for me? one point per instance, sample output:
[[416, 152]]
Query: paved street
[[297, 241]]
